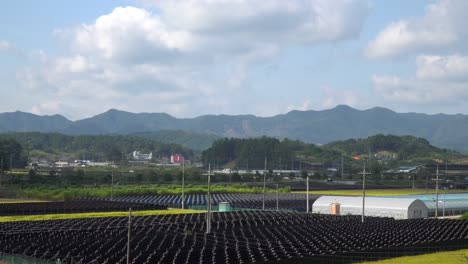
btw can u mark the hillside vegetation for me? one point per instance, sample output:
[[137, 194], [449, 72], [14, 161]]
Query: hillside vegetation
[[284, 154], [191, 140], [318, 127], [96, 147], [404, 147]]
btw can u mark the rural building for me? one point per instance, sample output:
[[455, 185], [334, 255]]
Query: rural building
[[140, 156], [398, 208], [177, 158]]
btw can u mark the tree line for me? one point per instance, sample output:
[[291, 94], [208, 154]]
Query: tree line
[[286, 153], [95, 147]]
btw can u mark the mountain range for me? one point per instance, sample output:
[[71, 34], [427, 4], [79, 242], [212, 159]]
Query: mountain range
[[319, 127]]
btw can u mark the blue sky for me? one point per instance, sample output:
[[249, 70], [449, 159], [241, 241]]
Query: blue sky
[[262, 57]]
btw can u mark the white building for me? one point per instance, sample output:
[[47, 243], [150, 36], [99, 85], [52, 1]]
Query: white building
[[140, 156], [398, 208], [61, 164]]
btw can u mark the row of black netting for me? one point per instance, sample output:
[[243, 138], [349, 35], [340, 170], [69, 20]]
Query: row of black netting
[[235, 237], [74, 207]]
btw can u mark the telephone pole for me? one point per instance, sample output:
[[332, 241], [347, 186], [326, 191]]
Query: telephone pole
[[437, 191], [112, 183], [208, 215], [121, 166], [277, 198], [363, 191], [342, 168], [264, 184], [129, 234], [307, 195], [183, 183]]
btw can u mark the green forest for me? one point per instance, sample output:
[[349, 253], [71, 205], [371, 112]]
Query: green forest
[[93, 147], [237, 153]]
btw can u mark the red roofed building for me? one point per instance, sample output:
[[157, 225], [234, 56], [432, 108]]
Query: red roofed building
[[177, 158]]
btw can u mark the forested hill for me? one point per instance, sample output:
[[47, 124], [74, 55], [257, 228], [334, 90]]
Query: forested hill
[[251, 153], [319, 127], [191, 140], [403, 147], [101, 147]]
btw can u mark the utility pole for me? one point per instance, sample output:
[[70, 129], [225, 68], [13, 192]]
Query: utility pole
[[183, 183], [112, 183], [1, 171], [121, 166], [363, 191], [437, 191], [342, 168], [264, 184], [277, 198], [307, 195], [129, 234], [427, 189], [208, 215]]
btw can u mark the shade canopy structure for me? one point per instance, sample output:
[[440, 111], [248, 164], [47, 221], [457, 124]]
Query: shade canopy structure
[[397, 208]]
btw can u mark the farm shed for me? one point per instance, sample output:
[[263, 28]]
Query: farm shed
[[398, 208]]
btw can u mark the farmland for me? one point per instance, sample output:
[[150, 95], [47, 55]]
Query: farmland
[[235, 237], [380, 192]]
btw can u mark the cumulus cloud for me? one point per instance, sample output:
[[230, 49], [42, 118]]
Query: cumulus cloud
[[438, 80], [442, 68], [186, 57], [443, 27]]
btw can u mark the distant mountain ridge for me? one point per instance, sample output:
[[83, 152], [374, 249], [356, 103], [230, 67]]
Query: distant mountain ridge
[[320, 127]]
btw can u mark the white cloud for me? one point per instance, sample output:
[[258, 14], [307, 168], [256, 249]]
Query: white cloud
[[4, 45], [439, 80], [186, 58], [442, 68], [442, 28]]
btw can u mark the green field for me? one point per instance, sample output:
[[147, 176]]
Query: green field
[[3, 201], [94, 215], [70, 193], [453, 257], [377, 192]]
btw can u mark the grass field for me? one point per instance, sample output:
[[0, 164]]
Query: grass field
[[20, 201], [94, 215], [376, 192], [453, 257]]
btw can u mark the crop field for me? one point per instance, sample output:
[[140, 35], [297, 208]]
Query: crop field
[[235, 237], [15, 209], [449, 257], [286, 201], [46, 217], [377, 192], [5, 201]]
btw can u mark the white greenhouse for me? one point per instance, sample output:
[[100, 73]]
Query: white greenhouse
[[398, 208]]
